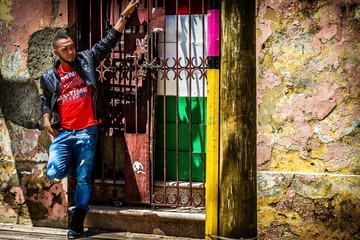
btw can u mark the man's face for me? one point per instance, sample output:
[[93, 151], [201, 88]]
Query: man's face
[[65, 50]]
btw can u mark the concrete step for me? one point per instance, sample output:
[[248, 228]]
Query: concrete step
[[23, 232], [182, 222]]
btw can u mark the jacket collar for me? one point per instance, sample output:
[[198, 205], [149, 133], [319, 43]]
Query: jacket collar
[[56, 72], [56, 64]]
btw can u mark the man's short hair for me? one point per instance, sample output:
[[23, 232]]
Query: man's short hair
[[59, 36]]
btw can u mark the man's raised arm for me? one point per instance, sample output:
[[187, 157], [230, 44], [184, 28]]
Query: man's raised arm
[[120, 25], [101, 49]]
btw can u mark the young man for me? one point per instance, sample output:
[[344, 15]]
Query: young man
[[71, 95]]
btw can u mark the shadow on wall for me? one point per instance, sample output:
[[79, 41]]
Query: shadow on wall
[[20, 100], [26, 194], [20, 103]]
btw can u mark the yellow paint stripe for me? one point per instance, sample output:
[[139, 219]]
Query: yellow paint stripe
[[212, 152]]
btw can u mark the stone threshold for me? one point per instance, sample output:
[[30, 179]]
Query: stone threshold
[[18, 231], [181, 213], [180, 222]]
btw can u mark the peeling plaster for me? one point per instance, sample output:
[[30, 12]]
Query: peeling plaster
[[26, 194], [12, 66], [5, 16], [24, 143], [16, 28], [33, 197], [309, 205], [308, 119]]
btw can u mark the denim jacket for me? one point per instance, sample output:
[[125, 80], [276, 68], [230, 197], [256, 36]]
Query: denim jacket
[[84, 65]]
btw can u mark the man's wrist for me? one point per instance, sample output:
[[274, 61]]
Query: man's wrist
[[124, 16], [47, 126]]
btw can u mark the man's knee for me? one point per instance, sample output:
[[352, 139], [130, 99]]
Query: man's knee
[[53, 174]]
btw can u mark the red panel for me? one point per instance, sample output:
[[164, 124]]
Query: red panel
[[137, 171], [142, 16], [157, 23], [196, 7]]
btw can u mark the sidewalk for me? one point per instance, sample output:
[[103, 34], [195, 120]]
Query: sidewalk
[[10, 232]]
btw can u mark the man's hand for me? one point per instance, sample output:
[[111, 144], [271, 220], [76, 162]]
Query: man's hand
[[53, 132], [120, 25], [130, 7]]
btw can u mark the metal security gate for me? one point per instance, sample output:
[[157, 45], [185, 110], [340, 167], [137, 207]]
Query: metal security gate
[[149, 84], [179, 167]]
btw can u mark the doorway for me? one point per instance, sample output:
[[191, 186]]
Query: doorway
[[151, 145]]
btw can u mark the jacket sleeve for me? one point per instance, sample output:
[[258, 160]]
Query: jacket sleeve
[[46, 98], [101, 49]]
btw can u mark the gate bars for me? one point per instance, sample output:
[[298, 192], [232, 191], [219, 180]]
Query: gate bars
[[181, 73]]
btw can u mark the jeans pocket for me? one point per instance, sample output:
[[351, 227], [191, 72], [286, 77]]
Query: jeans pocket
[[60, 132], [92, 130]]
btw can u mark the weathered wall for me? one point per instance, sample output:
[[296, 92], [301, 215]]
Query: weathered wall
[[308, 119], [27, 29], [26, 195]]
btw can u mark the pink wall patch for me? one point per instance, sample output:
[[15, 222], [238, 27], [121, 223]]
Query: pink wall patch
[[213, 33]]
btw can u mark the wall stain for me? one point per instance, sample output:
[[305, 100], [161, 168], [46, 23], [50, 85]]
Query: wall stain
[[308, 118]]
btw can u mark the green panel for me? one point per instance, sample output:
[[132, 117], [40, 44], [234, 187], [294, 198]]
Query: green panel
[[184, 105], [184, 144], [197, 117], [184, 163], [170, 109]]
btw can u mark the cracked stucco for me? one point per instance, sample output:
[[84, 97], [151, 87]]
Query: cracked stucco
[[308, 119], [26, 194]]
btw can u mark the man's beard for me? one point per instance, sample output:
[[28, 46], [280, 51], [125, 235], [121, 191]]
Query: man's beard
[[66, 61]]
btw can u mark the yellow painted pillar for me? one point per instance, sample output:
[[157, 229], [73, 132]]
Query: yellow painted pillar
[[212, 153], [213, 117]]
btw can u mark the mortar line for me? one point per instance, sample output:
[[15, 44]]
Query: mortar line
[[318, 174], [22, 161]]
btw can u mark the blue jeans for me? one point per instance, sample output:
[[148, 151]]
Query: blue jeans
[[72, 154]]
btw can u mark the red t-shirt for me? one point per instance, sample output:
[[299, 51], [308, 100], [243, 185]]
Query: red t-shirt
[[74, 102]]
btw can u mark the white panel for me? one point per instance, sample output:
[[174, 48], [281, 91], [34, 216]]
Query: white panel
[[170, 29], [183, 31], [197, 49]]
